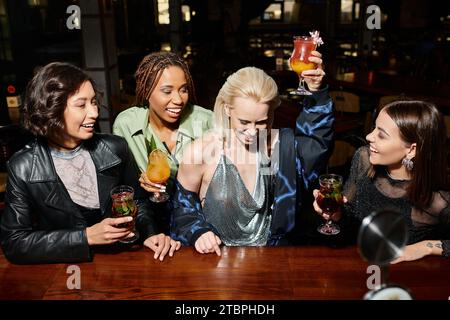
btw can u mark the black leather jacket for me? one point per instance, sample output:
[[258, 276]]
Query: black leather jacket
[[41, 224]]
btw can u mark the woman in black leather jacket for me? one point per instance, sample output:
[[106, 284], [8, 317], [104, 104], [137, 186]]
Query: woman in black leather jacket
[[58, 190]]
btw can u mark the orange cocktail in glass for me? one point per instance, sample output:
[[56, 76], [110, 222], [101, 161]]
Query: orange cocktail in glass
[[299, 61], [158, 171]]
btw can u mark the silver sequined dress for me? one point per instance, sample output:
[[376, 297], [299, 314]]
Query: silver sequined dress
[[241, 218]]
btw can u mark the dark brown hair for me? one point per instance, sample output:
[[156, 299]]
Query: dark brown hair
[[150, 70], [421, 122], [47, 94]]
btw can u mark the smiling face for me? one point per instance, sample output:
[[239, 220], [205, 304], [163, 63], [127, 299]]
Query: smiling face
[[247, 117], [386, 145], [80, 115], [169, 97]]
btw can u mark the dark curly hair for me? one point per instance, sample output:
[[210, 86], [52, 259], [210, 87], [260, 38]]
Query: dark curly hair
[[150, 70], [47, 94]]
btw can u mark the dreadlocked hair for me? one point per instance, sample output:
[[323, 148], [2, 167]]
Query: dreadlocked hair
[[150, 70]]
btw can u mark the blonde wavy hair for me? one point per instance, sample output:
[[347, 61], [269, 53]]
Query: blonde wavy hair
[[248, 82]]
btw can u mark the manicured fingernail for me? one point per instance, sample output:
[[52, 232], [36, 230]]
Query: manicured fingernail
[[129, 218]]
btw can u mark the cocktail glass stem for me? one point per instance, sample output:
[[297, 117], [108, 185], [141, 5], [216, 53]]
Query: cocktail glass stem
[[329, 228], [159, 197], [301, 90]]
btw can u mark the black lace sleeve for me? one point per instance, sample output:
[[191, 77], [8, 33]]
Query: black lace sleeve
[[359, 168], [350, 221], [446, 248], [358, 171], [444, 221], [433, 222]]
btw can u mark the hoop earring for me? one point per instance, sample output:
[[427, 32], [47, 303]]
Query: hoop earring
[[407, 163]]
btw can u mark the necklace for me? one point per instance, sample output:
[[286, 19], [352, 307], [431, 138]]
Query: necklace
[[392, 178]]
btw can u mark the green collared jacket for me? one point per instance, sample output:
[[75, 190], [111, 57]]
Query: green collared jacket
[[133, 125]]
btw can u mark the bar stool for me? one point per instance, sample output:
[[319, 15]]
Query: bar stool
[[384, 100], [345, 101], [342, 154]]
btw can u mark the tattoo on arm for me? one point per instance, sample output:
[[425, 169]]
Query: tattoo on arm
[[436, 245]]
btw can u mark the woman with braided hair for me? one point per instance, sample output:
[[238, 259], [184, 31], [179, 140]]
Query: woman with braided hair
[[164, 117]]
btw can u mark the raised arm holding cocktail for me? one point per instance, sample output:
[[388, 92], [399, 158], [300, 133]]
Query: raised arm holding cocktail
[[299, 61]]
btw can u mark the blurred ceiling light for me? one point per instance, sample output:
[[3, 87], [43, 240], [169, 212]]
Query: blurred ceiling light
[[277, 14], [269, 53], [37, 3], [186, 12], [163, 12], [356, 10], [345, 45], [165, 46]]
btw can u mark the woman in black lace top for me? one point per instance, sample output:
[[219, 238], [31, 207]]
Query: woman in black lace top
[[404, 168]]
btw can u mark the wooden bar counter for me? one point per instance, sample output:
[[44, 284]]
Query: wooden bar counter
[[241, 273]]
